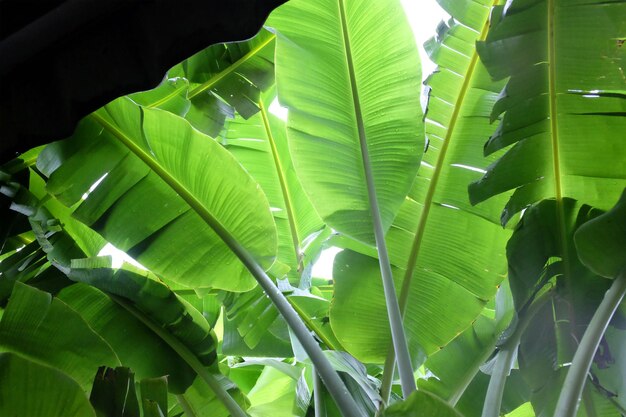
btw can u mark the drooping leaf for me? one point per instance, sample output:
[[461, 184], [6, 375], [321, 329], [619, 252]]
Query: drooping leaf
[[177, 181], [563, 105], [534, 251], [543, 368], [148, 355], [349, 74], [536, 259], [153, 298], [31, 389], [601, 242], [46, 330], [208, 87], [58, 240]]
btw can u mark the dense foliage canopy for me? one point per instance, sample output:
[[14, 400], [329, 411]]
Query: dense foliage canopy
[[482, 238]]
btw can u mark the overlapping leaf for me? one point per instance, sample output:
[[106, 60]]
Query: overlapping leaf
[[449, 252], [46, 330], [208, 87], [553, 334], [58, 242], [260, 145], [164, 189], [32, 389], [563, 105], [351, 82]]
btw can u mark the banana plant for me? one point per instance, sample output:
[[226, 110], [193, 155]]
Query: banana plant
[[551, 103], [94, 318], [601, 243], [355, 98], [226, 208]]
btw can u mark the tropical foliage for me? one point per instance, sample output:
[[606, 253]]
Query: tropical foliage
[[482, 238]]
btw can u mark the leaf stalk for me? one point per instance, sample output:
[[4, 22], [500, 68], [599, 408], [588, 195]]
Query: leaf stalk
[[505, 358], [183, 351], [398, 336], [569, 400], [335, 385]]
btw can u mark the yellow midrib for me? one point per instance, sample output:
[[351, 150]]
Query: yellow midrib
[[283, 186], [554, 135], [432, 187], [219, 76]]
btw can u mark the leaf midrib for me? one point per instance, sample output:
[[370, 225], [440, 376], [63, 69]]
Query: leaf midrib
[[280, 171], [394, 313], [217, 77], [432, 187], [554, 135], [231, 68], [170, 180]]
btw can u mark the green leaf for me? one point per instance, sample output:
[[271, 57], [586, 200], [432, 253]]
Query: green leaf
[[248, 319], [208, 87], [113, 393], [274, 395], [455, 366], [437, 217], [437, 309], [563, 104], [154, 396], [421, 403], [31, 389], [601, 242], [524, 410], [155, 299], [260, 145], [158, 168], [45, 329], [148, 355], [200, 401], [235, 72], [349, 74]]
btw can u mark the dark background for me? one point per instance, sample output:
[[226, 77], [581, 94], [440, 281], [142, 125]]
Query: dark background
[[61, 60]]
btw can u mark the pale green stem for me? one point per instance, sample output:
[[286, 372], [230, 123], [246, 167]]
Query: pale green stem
[[505, 358], [188, 356], [335, 385], [388, 370], [280, 172], [318, 395], [502, 368], [393, 309], [184, 404], [577, 375]]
